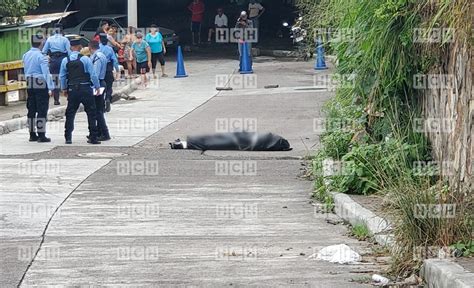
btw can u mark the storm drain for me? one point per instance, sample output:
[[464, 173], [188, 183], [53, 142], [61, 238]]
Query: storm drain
[[102, 155]]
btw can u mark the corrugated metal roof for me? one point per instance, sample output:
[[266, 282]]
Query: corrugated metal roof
[[32, 21]]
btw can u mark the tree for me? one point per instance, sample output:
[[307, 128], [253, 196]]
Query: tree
[[12, 11]]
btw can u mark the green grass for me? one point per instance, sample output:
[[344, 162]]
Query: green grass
[[360, 232], [379, 148]]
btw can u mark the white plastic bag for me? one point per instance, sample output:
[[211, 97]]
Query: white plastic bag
[[342, 254]]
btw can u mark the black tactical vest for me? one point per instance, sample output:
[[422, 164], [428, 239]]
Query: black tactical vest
[[76, 72]]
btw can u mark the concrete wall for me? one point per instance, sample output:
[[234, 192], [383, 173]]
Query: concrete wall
[[456, 145]]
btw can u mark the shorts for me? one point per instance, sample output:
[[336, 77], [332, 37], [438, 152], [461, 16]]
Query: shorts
[[195, 27], [155, 57], [143, 65]]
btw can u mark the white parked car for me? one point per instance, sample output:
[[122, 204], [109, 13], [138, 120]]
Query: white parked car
[[89, 26]]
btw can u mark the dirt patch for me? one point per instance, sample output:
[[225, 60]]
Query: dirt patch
[[466, 263], [374, 203]]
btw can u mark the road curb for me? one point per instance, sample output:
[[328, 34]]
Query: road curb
[[286, 54], [354, 213], [444, 273], [12, 125], [438, 273]]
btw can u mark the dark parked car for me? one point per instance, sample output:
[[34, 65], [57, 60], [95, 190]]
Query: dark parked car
[[89, 26]]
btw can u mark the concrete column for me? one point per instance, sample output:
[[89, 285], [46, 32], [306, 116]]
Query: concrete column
[[132, 13]]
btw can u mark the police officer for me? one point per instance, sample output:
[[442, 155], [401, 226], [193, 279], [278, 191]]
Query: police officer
[[112, 63], [77, 75], [40, 84], [99, 60], [56, 47]]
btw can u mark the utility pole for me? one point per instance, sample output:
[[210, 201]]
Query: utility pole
[[132, 11]]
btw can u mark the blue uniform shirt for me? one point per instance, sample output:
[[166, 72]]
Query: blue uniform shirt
[[88, 68], [110, 54], [100, 64], [57, 43], [36, 66]]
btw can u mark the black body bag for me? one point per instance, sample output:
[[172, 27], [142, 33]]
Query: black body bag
[[241, 141]]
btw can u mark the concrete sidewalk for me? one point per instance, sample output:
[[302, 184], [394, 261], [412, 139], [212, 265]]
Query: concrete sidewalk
[[164, 101], [183, 218]]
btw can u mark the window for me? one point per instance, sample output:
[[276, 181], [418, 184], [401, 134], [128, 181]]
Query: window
[[122, 21], [91, 25]]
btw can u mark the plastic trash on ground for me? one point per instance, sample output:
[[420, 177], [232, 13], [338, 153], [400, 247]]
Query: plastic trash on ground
[[380, 279], [342, 254]]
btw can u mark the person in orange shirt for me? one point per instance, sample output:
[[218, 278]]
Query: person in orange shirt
[[197, 9]]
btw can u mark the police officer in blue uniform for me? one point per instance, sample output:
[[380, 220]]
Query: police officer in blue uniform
[[112, 63], [78, 78], [40, 84], [99, 60], [56, 47]]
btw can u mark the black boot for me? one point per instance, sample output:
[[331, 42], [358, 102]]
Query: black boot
[[68, 139], [42, 138], [108, 107], [105, 137], [93, 141], [33, 137]]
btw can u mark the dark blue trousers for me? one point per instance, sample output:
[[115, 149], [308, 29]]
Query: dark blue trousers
[[103, 130], [109, 81], [37, 105], [81, 94], [54, 67]]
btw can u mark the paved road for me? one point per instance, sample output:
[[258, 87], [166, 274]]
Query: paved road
[[158, 217]]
